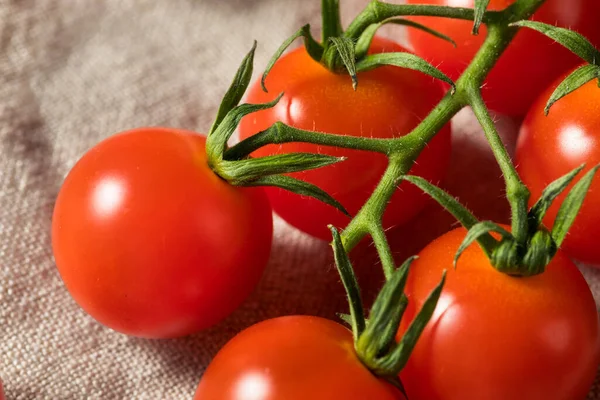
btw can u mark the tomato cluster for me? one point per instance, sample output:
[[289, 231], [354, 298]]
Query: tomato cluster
[[151, 241]]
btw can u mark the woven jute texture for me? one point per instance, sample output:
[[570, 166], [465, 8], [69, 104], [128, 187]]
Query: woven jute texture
[[73, 72]]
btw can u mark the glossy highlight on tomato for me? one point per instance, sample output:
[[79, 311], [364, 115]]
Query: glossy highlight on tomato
[[497, 337], [292, 358], [388, 103], [528, 66], [551, 146], [150, 242]]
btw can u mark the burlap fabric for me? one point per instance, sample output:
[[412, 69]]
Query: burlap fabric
[[73, 73]]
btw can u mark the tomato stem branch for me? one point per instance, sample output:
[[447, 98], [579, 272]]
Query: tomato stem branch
[[383, 249], [406, 149], [372, 212], [279, 133], [516, 192], [331, 22], [377, 11]]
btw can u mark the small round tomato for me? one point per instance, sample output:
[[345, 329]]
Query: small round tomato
[[497, 337], [388, 103], [1, 391], [551, 146], [530, 63], [292, 358], [150, 242]]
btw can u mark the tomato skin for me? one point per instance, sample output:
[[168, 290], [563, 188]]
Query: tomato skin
[[389, 102], [292, 358], [551, 146], [150, 242], [1, 391], [497, 337], [528, 66]]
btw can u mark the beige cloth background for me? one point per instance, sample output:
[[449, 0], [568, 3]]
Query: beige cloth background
[[74, 72]]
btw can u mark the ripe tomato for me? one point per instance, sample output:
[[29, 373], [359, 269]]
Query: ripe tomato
[[150, 242], [292, 358], [1, 391], [529, 65], [389, 102], [551, 146], [498, 337]]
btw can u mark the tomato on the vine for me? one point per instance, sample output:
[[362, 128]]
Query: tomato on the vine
[[529, 65], [292, 358], [388, 103], [150, 242], [493, 336], [551, 146]]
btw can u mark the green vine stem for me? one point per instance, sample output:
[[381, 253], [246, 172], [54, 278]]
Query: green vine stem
[[406, 149], [378, 11], [383, 250], [516, 191]]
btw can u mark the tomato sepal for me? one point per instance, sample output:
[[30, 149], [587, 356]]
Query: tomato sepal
[[375, 339], [574, 81], [299, 187], [314, 49], [216, 143], [363, 43], [403, 60], [453, 206], [356, 319], [237, 89], [571, 205], [484, 228], [341, 49], [574, 41], [480, 8], [242, 171], [549, 194]]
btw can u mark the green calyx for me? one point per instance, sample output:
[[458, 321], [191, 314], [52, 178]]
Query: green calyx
[[245, 170], [347, 52], [375, 340], [531, 255]]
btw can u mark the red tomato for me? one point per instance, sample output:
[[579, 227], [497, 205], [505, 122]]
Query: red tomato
[[150, 242], [529, 65], [551, 146], [292, 358], [1, 391], [388, 103], [497, 337]]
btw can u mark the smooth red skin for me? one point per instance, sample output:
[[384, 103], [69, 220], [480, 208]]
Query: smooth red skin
[[497, 337], [179, 252], [389, 102], [1, 391], [549, 147], [527, 67], [296, 358]]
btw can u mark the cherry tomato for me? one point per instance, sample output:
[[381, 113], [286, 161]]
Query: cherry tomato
[[292, 358], [551, 146], [150, 242], [527, 67], [497, 337], [1, 391], [388, 103]]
